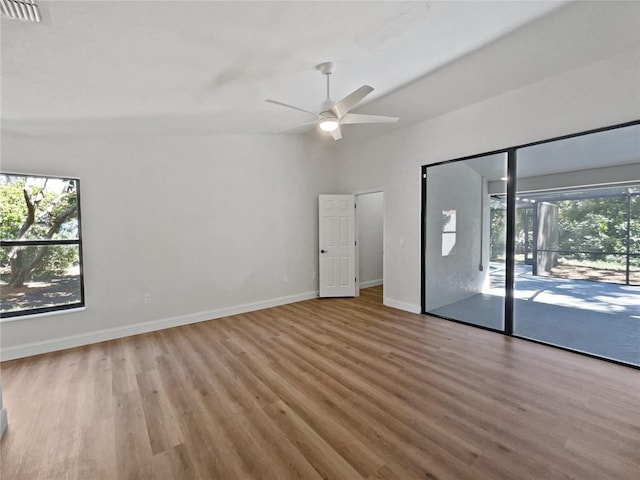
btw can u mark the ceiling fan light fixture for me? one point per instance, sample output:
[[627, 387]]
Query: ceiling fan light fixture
[[329, 124]]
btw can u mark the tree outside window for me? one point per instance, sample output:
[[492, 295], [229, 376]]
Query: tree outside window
[[41, 248]]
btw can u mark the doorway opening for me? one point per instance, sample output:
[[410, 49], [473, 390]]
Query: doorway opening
[[370, 244]]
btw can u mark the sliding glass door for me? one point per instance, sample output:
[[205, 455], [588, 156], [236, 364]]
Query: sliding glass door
[[581, 288], [465, 241], [540, 241]]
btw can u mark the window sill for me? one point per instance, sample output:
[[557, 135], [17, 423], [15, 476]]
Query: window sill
[[43, 314]]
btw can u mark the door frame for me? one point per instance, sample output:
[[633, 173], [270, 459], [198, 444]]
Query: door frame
[[357, 194]]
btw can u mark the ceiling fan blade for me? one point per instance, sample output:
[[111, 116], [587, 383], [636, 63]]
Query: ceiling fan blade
[[351, 118], [341, 108], [275, 102], [336, 134]]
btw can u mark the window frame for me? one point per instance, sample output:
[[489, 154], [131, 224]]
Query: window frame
[[16, 314]]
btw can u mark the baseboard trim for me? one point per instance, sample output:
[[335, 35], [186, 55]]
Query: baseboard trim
[[407, 307], [71, 341], [371, 283]]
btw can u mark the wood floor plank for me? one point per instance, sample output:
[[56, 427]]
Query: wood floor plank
[[324, 459], [313, 410], [323, 389]]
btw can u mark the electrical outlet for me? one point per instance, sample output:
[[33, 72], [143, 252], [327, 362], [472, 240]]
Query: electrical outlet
[[147, 298]]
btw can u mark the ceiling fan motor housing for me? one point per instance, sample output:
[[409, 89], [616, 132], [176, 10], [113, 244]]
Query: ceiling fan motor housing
[[325, 109]]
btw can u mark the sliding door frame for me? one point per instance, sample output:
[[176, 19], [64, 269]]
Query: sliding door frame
[[509, 254], [510, 236]]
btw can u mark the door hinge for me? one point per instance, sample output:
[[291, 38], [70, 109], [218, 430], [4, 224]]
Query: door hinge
[[355, 243]]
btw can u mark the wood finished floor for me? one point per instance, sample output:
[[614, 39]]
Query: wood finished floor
[[326, 388]]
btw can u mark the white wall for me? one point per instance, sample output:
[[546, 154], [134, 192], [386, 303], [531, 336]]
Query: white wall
[[603, 93], [207, 225], [370, 220], [451, 278]]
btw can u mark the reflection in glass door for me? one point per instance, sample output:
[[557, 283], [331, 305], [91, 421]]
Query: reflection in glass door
[[465, 240]]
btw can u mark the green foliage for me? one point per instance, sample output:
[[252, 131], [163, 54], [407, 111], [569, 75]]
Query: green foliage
[[13, 209], [498, 232], [56, 261], [597, 226], [51, 198]]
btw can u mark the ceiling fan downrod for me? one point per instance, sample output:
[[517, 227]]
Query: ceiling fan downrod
[[326, 69], [328, 94]]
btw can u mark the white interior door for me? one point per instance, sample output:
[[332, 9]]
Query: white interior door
[[337, 267]]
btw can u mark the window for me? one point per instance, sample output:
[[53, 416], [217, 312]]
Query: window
[[40, 244]]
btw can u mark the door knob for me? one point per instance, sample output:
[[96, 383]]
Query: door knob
[[323, 251]]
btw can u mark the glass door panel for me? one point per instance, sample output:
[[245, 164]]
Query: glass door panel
[[465, 240], [576, 284]]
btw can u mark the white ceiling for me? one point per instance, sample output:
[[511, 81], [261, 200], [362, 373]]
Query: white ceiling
[[205, 67]]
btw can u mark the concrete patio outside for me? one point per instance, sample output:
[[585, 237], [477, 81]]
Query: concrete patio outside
[[592, 317]]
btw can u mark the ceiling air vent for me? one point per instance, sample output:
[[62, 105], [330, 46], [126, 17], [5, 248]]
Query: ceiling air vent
[[25, 10]]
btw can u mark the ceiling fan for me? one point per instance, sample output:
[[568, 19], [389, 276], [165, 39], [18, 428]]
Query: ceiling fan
[[333, 115]]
